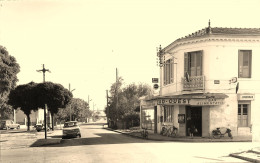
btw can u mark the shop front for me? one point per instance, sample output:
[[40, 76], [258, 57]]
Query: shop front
[[185, 111]]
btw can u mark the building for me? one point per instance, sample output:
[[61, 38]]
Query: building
[[35, 117], [210, 79]]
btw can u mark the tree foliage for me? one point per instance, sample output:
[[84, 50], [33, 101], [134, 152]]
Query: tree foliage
[[9, 69], [123, 101], [32, 96], [54, 95], [78, 108], [24, 97]]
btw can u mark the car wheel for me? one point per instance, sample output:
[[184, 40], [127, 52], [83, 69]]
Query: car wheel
[[18, 127], [79, 136]]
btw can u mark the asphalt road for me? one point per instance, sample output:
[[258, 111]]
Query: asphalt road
[[99, 145]]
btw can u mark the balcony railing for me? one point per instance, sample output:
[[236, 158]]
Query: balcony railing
[[195, 83]]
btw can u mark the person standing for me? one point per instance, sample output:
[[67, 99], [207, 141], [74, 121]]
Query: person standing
[[192, 130]]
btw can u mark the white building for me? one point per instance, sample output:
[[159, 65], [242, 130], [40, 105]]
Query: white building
[[210, 79]]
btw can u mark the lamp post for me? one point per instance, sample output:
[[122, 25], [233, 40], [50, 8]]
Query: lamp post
[[70, 104], [43, 71]]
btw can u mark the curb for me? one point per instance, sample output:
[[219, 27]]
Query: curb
[[182, 139], [237, 155]]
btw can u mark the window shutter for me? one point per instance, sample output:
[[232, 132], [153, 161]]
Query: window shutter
[[185, 63], [171, 69], [240, 63], [201, 62], [250, 63]]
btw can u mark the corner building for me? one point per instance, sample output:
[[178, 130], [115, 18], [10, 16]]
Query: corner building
[[210, 79]]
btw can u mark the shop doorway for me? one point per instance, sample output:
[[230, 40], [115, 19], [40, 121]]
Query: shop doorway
[[194, 117]]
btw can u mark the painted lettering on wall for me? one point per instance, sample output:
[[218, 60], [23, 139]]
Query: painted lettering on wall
[[179, 101]]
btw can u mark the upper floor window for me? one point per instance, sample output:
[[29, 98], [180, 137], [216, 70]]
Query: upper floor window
[[244, 63], [168, 72], [193, 63]]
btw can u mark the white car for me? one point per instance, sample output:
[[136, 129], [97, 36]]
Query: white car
[[71, 129]]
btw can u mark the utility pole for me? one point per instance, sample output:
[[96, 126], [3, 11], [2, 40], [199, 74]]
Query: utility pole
[[70, 104], [107, 111], [45, 126], [116, 95]]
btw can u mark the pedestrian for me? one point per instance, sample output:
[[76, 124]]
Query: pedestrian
[[192, 130]]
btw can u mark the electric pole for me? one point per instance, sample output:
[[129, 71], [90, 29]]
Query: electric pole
[[70, 104], [45, 126]]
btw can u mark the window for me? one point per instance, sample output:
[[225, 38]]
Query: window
[[168, 113], [244, 63], [168, 72], [243, 115], [193, 63]]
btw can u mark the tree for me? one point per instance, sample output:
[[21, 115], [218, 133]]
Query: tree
[[128, 101], [54, 95], [24, 97], [78, 108], [9, 69]]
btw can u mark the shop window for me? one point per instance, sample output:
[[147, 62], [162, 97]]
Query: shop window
[[168, 71], [244, 63], [243, 115], [168, 113], [193, 63]]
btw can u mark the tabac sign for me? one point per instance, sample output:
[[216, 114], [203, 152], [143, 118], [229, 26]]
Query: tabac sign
[[194, 102]]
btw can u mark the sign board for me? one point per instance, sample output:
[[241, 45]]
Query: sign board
[[181, 118], [246, 97], [193, 102], [155, 80], [216, 82], [155, 86]]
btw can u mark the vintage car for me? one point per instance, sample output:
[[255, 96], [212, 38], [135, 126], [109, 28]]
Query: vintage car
[[9, 124], [71, 129], [40, 127]]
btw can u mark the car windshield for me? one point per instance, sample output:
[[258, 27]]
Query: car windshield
[[70, 124]]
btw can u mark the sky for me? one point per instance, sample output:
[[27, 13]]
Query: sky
[[82, 42]]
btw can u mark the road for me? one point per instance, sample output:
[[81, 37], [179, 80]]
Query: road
[[100, 145]]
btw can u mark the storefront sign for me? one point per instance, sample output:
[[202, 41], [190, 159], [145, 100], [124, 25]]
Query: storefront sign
[[202, 102], [246, 97], [196, 102], [173, 101]]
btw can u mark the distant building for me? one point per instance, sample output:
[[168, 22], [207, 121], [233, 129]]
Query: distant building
[[210, 79], [35, 117]]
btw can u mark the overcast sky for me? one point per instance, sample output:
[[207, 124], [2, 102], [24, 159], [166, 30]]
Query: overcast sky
[[82, 42]]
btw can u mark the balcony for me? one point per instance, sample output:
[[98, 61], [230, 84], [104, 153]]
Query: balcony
[[195, 83]]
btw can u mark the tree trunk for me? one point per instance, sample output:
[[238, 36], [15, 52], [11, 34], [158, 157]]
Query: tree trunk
[[28, 122], [52, 124]]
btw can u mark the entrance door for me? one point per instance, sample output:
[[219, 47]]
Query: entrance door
[[194, 117], [155, 119]]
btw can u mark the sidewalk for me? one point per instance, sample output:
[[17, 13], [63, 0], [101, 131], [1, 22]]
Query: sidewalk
[[53, 137], [158, 137], [252, 155]]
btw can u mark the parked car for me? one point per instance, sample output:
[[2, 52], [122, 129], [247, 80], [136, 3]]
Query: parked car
[[40, 127], [9, 124], [71, 129]]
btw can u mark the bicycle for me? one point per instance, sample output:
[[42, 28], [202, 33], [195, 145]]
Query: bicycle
[[144, 133], [217, 134], [164, 130], [172, 131]]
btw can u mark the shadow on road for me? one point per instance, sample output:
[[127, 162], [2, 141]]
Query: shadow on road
[[100, 139]]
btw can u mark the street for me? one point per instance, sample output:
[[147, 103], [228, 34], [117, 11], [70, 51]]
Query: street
[[101, 145]]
